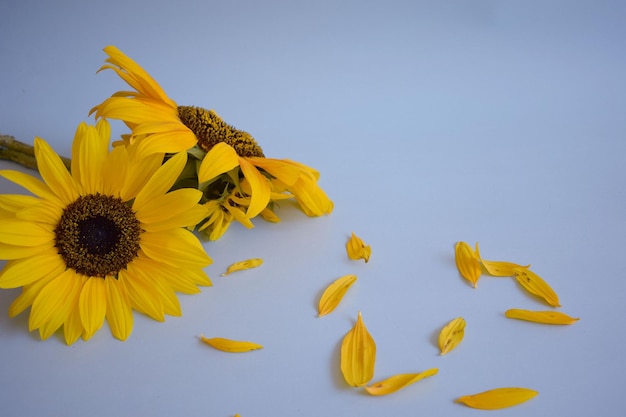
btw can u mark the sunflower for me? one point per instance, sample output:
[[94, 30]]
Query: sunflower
[[227, 164], [101, 241]]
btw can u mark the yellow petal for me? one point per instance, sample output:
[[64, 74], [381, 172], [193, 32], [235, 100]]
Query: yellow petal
[[397, 382], [535, 285], [19, 272], [24, 233], [220, 159], [243, 265], [119, 313], [545, 317], [55, 301], [451, 335], [161, 181], [334, 293], [32, 184], [467, 262], [89, 151], [54, 173], [232, 346], [176, 247], [93, 305], [499, 268], [498, 398], [166, 206], [260, 188], [358, 355], [357, 249]]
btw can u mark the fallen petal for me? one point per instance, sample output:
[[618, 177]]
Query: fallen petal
[[397, 382], [499, 268], [498, 398], [243, 265], [357, 249], [545, 317], [451, 335], [467, 262], [232, 346], [335, 292], [535, 285], [358, 355]]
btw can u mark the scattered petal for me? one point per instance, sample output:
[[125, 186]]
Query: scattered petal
[[545, 317], [334, 293], [243, 265], [498, 398], [535, 285], [232, 346], [451, 335], [358, 355], [467, 262], [499, 268], [357, 249], [397, 382]]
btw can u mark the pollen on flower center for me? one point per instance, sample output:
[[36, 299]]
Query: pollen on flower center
[[211, 129], [97, 235]]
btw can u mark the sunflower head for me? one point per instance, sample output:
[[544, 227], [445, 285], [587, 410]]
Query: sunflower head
[[211, 129]]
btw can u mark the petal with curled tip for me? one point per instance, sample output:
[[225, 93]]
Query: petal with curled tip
[[357, 249]]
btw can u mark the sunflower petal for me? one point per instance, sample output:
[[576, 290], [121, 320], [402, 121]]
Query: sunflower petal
[[357, 249], [260, 188], [93, 305], [243, 265], [52, 302], [119, 313], [467, 262], [358, 355], [220, 159], [535, 285], [168, 205], [232, 346], [397, 382], [20, 272], [177, 247], [54, 173], [334, 293], [72, 327], [498, 398], [24, 233], [545, 317], [161, 181], [451, 335], [32, 184]]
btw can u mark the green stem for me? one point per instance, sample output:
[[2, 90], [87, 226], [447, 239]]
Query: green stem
[[16, 151]]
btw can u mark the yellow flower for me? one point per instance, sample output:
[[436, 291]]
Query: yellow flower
[[497, 398], [358, 355], [105, 239], [234, 171], [147, 111], [357, 249]]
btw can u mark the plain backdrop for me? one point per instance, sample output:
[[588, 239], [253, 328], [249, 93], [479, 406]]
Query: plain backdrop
[[431, 122]]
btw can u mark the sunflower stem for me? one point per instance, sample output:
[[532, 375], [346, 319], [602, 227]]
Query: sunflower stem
[[16, 151]]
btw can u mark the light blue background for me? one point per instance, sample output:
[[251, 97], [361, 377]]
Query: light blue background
[[431, 122]]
